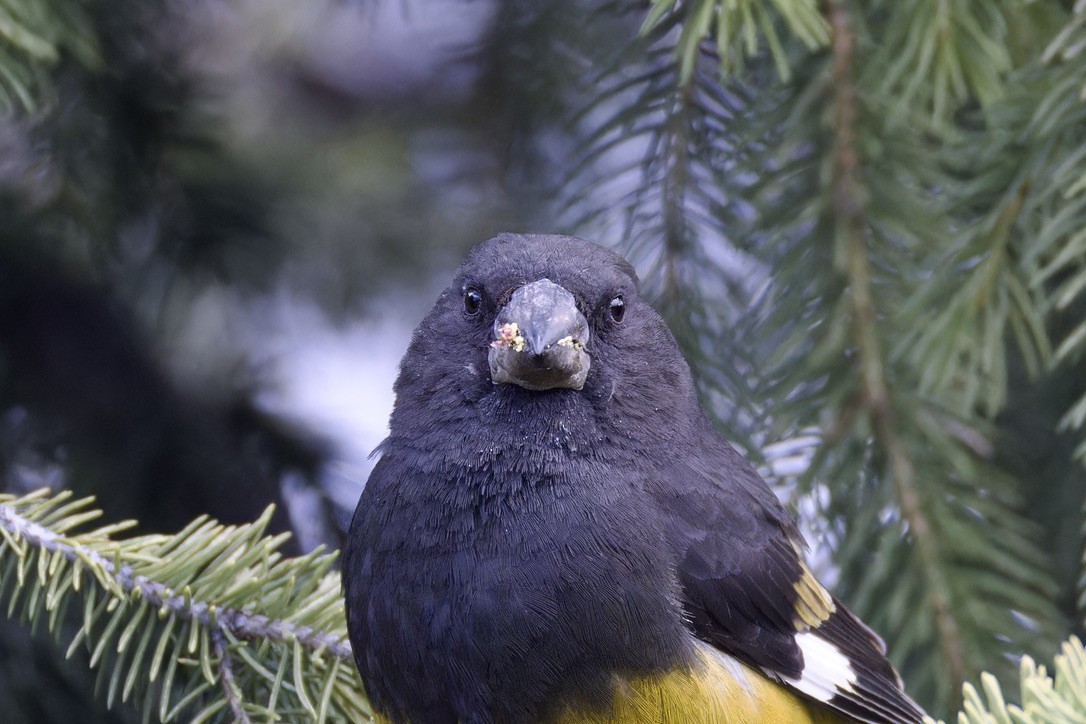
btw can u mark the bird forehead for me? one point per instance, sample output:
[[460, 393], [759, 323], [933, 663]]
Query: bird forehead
[[509, 261]]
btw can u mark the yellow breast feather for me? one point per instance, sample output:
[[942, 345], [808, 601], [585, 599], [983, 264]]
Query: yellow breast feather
[[717, 689]]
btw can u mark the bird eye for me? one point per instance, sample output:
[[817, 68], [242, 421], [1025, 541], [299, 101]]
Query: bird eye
[[473, 301], [618, 309]]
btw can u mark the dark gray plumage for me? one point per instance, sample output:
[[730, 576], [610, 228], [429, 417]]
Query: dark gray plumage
[[519, 543]]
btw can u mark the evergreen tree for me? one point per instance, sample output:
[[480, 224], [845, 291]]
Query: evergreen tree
[[866, 223]]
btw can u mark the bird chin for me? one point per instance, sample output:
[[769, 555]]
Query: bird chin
[[557, 369]]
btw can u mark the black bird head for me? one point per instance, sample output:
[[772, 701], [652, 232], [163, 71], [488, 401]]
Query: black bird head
[[541, 315], [543, 301], [544, 337]]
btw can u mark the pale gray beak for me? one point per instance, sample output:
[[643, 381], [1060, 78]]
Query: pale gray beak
[[539, 340]]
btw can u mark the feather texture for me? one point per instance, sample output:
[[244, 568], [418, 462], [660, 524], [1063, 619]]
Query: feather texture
[[595, 553]]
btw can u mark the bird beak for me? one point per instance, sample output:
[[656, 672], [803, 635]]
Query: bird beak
[[539, 340]]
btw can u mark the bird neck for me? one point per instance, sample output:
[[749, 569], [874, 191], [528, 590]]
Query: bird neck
[[518, 430]]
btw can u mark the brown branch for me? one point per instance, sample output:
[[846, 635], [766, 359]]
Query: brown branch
[[999, 239], [848, 211]]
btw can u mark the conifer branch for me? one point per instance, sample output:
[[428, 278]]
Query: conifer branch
[[227, 679], [741, 30], [240, 623], [34, 36], [1045, 699], [238, 627], [848, 210], [675, 150]]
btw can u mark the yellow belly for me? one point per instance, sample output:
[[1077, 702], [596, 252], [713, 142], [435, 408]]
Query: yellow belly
[[718, 690]]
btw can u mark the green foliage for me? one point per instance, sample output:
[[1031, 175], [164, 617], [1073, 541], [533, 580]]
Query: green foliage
[[739, 29], [1057, 699], [35, 35], [940, 55], [905, 443], [211, 623], [932, 54]]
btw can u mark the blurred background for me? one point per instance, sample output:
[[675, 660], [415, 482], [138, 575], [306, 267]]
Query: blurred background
[[221, 219]]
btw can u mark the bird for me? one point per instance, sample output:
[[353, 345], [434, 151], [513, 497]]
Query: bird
[[554, 531]]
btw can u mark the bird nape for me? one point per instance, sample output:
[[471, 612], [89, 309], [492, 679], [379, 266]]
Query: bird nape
[[555, 531]]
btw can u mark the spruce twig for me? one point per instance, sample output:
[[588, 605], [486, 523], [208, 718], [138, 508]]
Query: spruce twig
[[227, 679], [238, 629], [240, 623]]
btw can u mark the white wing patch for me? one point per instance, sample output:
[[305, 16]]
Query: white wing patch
[[826, 671]]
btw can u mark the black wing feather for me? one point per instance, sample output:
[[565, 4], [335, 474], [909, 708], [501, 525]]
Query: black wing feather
[[740, 559]]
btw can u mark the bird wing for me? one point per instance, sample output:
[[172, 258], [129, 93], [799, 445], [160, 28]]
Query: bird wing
[[747, 590]]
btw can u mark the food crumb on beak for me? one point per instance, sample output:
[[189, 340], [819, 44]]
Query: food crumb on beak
[[569, 341], [509, 335]]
